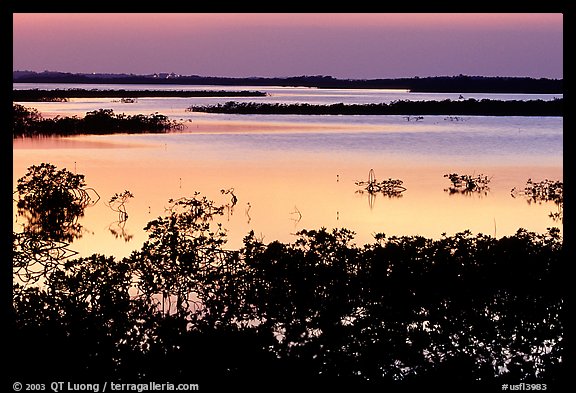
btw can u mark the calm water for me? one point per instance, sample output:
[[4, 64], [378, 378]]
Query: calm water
[[299, 172]]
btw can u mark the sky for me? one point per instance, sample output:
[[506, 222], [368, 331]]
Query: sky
[[348, 46]]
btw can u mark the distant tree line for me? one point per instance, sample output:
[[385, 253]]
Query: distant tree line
[[33, 95], [459, 311], [29, 122], [484, 107], [456, 84]]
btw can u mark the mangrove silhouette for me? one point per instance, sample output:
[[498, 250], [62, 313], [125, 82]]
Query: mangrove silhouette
[[468, 184], [127, 100], [51, 202], [117, 203], [414, 118], [30, 123], [233, 200], [460, 310], [457, 84], [36, 257], [483, 107], [544, 191], [63, 95], [390, 187], [230, 191]]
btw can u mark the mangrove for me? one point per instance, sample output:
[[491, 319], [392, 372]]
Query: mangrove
[[469, 107], [458, 311], [28, 122], [63, 95]]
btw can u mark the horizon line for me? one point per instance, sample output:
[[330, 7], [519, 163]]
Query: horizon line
[[178, 75]]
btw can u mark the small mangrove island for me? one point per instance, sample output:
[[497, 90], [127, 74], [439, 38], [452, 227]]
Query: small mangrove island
[[471, 107], [29, 123], [63, 95]]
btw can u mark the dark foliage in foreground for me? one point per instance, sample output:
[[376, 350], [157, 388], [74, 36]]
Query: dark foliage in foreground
[[460, 310], [29, 122], [33, 95], [484, 107]]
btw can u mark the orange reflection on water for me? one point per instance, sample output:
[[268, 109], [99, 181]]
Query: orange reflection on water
[[280, 194]]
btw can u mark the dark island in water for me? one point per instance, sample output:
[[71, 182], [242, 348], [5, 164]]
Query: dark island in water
[[459, 84], [469, 107], [126, 96]]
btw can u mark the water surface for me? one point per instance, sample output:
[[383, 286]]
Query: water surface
[[298, 172]]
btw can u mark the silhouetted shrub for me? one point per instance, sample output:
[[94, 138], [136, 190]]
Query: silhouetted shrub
[[28, 123], [52, 200]]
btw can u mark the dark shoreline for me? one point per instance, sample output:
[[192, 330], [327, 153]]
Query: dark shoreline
[[437, 84], [36, 95]]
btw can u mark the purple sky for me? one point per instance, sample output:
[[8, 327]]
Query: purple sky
[[341, 45]]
